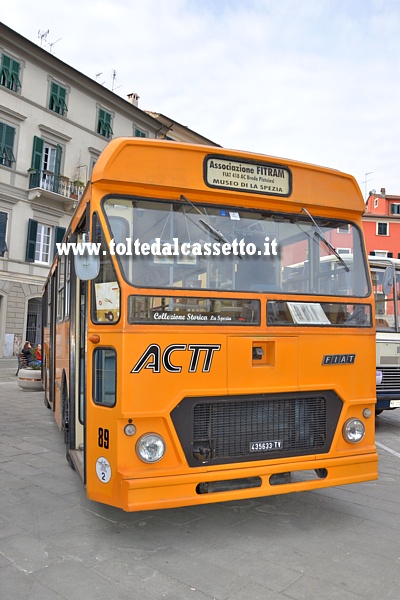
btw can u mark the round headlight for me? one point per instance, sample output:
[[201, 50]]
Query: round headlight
[[130, 429], [353, 431], [150, 447]]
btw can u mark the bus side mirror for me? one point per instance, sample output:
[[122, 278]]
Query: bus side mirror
[[387, 283], [87, 264]]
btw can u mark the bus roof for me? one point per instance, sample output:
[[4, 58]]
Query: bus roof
[[153, 163]]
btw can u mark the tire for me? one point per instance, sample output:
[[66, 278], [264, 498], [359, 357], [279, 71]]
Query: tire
[[46, 385], [65, 410]]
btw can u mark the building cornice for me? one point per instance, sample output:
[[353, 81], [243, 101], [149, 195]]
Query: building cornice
[[375, 216], [55, 134], [12, 113]]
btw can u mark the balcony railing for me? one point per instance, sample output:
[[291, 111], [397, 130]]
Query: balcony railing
[[58, 184]]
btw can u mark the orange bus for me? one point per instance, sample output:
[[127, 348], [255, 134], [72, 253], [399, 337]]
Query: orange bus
[[196, 347]]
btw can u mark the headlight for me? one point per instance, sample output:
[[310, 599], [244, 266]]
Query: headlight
[[130, 429], [353, 431], [150, 447]]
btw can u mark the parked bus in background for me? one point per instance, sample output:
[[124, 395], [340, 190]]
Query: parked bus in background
[[188, 363], [385, 274]]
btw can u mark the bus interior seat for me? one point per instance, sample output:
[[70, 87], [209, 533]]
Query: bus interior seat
[[382, 323]]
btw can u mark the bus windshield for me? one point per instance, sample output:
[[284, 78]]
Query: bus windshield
[[178, 244], [387, 306]]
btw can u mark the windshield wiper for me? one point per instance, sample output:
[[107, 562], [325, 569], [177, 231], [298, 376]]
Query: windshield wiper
[[218, 235], [323, 239], [215, 232]]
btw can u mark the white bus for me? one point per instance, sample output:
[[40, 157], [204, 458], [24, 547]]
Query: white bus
[[385, 274]]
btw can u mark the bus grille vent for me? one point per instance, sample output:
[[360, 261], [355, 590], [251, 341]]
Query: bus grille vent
[[390, 379], [260, 427], [231, 427]]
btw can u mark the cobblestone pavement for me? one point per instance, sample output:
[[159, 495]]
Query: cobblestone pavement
[[339, 543]]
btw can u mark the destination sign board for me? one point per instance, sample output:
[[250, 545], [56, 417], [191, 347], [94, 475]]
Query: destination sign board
[[257, 177]]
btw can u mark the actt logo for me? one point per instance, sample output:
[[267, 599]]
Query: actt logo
[[152, 357]]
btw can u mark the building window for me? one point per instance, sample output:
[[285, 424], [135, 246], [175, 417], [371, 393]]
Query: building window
[[104, 124], [93, 158], [34, 321], [9, 77], [41, 242], [7, 135], [395, 209], [140, 133], [380, 253], [343, 250], [3, 233], [344, 228], [45, 165], [376, 202], [58, 95], [382, 229]]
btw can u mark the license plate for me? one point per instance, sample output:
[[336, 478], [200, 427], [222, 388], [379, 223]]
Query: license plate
[[395, 404], [266, 446]]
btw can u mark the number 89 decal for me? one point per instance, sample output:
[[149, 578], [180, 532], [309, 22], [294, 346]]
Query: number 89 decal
[[103, 439]]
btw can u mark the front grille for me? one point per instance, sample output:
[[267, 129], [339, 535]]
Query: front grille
[[258, 427], [390, 379]]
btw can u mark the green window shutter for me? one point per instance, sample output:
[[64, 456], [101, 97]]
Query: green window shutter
[[62, 100], [100, 121], [37, 153], [3, 229], [104, 124], [108, 125], [58, 238], [57, 168], [31, 241], [57, 102], [5, 70], [53, 96], [7, 135], [15, 67], [10, 73], [5, 62]]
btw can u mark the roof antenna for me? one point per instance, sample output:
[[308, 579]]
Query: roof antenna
[[42, 36]]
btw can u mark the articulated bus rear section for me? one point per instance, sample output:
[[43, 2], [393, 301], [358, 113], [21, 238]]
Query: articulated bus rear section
[[216, 346]]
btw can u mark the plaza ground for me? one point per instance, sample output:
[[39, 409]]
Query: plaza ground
[[55, 544]]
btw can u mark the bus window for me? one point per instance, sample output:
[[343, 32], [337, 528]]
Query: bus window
[[104, 376], [301, 263], [105, 288]]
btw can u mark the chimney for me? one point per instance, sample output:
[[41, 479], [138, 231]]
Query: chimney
[[133, 99], [383, 191]]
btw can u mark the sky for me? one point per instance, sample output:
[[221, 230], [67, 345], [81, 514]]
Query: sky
[[311, 80]]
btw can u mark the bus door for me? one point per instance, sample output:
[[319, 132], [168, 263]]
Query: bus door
[[77, 400]]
